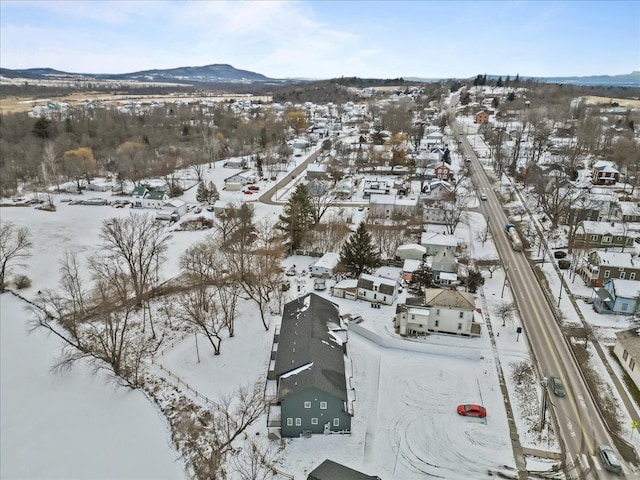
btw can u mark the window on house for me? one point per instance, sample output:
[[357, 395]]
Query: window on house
[[314, 421], [619, 239], [336, 422], [606, 239], [323, 405], [438, 311], [632, 276], [461, 315], [624, 307], [459, 326], [413, 317], [632, 365], [607, 273], [298, 422], [594, 238], [437, 323], [307, 404], [375, 295], [622, 274], [289, 422], [625, 355]]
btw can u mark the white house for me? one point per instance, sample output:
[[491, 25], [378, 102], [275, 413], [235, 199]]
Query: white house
[[436, 243], [317, 170], [409, 267], [145, 198], [386, 205], [377, 289], [440, 311], [627, 349], [326, 265], [237, 181]]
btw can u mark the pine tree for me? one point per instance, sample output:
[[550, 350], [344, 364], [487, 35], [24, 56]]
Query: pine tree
[[358, 254], [297, 217], [499, 82], [212, 193], [517, 79], [201, 193]]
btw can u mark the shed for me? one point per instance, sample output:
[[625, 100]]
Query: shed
[[177, 206], [411, 251], [326, 265], [409, 267], [346, 289]]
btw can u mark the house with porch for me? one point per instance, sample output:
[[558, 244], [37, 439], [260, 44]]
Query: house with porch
[[604, 172], [439, 311], [617, 297], [627, 349], [388, 205], [309, 378], [445, 269], [599, 266]]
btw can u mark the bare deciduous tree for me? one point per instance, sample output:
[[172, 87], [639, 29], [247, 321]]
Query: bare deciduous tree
[[15, 244], [137, 245], [199, 309], [504, 311]]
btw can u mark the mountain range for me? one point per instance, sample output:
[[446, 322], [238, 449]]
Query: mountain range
[[223, 73]]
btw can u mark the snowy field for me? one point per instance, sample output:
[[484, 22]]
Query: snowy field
[[72, 425]]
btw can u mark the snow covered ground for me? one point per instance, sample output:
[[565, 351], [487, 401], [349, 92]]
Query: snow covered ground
[[75, 424]]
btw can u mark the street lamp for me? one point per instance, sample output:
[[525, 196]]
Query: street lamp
[[560, 294]]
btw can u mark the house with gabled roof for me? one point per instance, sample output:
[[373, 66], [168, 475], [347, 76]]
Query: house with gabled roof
[[444, 267], [143, 197], [439, 311], [434, 243], [599, 266], [377, 289], [309, 379], [627, 349], [604, 172], [617, 296]]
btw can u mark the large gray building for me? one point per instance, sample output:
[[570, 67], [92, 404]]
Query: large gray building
[[311, 371]]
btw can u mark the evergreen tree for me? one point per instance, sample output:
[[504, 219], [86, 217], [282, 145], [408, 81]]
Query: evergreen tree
[[201, 193], [42, 128], [507, 81], [499, 82], [259, 166], [517, 79], [484, 80], [212, 193], [495, 103], [358, 253], [421, 279], [297, 217], [511, 97]]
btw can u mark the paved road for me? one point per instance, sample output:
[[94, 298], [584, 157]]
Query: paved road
[[580, 427]]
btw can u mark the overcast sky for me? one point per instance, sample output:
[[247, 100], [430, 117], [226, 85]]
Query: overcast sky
[[324, 39]]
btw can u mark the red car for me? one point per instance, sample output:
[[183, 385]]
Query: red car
[[471, 410], [247, 192]]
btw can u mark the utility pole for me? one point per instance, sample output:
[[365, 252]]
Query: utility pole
[[543, 403], [560, 294], [506, 270]]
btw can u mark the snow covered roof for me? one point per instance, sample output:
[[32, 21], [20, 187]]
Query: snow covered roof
[[346, 284], [411, 247], [433, 238], [614, 259], [630, 341], [625, 288], [308, 356], [437, 297], [613, 228], [411, 265], [449, 276], [328, 260], [317, 167]]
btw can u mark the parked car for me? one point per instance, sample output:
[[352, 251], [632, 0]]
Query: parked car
[[557, 387], [197, 210], [483, 196], [559, 254], [210, 208], [472, 410], [609, 459], [467, 159], [255, 188], [564, 264], [247, 192]]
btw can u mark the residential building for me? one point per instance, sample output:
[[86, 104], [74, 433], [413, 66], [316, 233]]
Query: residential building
[[443, 172], [445, 269], [146, 198], [629, 212], [439, 311], [329, 470], [599, 266], [388, 205], [627, 349], [317, 171], [326, 265], [310, 373], [408, 267], [435, 243], [604, 172], [177, 206], [235, 182], [590, 234], [347, 288], [617, 297], [377, 289]]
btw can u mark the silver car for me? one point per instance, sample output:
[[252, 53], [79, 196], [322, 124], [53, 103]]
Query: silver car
[[609, 459], [557, 387]]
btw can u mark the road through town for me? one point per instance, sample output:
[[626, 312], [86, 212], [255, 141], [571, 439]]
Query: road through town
[[579, 423]]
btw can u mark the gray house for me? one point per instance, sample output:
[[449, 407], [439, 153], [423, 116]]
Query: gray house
[[310, 370]]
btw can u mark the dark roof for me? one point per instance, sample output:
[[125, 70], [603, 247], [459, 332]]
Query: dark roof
[[308, 354], [329, 470]]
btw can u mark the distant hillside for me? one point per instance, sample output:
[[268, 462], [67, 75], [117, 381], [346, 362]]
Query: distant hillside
[[625, 80], [216, 73]]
